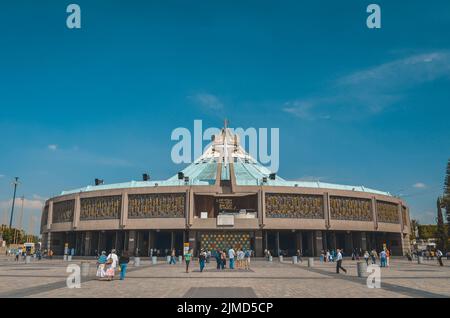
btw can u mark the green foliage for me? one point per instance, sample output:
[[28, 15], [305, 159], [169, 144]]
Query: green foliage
[[441, 232], [13, 235]]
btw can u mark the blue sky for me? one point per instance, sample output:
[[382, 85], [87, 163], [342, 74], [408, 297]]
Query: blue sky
[[354, 106]]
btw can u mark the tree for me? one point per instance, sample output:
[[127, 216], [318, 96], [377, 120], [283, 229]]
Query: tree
[[441, 232], [446, 198]]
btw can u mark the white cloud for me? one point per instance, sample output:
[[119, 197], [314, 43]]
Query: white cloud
[[32, 204], [2, 176], [372, 90], [208, 101], [53, 147], [419, 185]]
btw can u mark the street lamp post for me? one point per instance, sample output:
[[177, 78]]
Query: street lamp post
[[16, 182]]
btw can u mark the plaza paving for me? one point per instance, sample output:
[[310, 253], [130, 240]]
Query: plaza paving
[[47, 278]]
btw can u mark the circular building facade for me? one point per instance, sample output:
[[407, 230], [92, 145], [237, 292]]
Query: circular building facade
[[225, 199]]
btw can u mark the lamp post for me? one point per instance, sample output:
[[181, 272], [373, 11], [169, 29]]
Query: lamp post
[[16, 182]]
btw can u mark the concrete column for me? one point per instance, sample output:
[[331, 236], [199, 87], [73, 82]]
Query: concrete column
[[278, 243], [190, 206], [405, 244], [172, 240], [260, 207], [348, 243], [325, 240], [132, 242], [400, 216], [124, 211], [76, 212], [374, 213], [326, 209], [311, 243], [263, 207], [49, 241], [363, 241], [50, 216], [259, 251], [318, 243], [87, 243], [333, 241], [193, 241], [298, 239]]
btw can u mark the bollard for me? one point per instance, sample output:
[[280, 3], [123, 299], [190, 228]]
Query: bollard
[[362, 269], [168, 259], [28, 259], [280, 258], [65, 258], [270, 258], [311, 262], [420, 260], [294, 260], [137, 261], [180, 259], [154, 260], [84, 269], [69, 258]]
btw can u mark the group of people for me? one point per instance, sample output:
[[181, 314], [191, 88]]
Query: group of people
[[239, 259], [23, 253], [108, 265]]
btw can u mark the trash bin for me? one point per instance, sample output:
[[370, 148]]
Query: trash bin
[[311, 262], [294, 260], [154, 260], [280, 258], [69, 258], [180, 259], [168, 259], [28, 259], [420, 260], [65, 258], [362, 269], [85, 269], [270, 258], [137, 261]]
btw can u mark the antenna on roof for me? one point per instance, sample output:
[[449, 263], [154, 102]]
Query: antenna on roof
[[225, 123]]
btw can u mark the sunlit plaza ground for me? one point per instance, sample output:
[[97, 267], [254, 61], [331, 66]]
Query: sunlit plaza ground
[[47, 278]]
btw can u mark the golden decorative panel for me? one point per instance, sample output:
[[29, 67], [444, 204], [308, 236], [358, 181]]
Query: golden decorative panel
[[299, 206], [171, 205], [351, 209], [101, 208], [405, 216], [63, 211], [387, 212]]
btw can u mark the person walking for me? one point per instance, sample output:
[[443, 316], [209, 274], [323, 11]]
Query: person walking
[[112, 261], [218, 257], [231, 255], [339, 262], [223, 260], [439, 255], [374, 256], [187, 259], [248, 255], [123, 263], [383, 258], [202, 260], [173, 257], [388, 256], [366, 257], [101, 265]]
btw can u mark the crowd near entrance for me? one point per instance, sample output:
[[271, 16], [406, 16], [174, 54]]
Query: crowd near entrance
[[278, 242]]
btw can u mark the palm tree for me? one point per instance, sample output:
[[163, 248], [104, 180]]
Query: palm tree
[[441, 233]]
